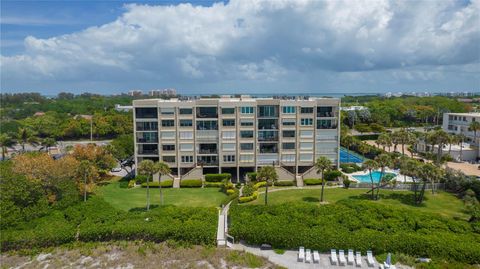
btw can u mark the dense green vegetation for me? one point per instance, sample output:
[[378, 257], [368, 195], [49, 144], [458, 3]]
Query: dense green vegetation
[[361, 225], [96, 220]]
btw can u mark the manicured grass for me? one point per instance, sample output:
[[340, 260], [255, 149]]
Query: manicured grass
[[442, 203], [123, 198]]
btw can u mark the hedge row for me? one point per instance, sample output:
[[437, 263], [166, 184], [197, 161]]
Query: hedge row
[[96, 220], [165, 184], [191, 183], [213, 184], [312, 181], [246, 199], [360, 225], [285, 183], [218, 177]]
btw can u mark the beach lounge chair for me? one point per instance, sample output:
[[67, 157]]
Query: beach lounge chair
[[341, 257], [350, 258], [301, 254], [333, 257], [316, 257], [370, 260], [308, 256], [358, 259]]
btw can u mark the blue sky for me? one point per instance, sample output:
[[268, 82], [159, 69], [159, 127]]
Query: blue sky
[[279, 46]]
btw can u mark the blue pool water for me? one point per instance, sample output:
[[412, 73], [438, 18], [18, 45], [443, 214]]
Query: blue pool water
[[375, 176], [349, 157]]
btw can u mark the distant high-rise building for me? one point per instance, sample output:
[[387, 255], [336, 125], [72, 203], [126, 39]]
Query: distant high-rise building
[[164, 92], [135, 93]]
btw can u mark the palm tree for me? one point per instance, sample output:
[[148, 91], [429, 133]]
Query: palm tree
[[25, 136], [460, 140], [452, 139], [47, 143], [322, 164], [402, 138], [428, 173], [441, 138], [163, 169], [385, 140], [148, 168], [85, 169], [363, 148], [383, 161], [6, 142], [410, 167], [475, 127], [371, 165], [348, 141], [267, 173]]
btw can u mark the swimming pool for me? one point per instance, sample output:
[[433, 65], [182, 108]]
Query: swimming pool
[[349, 157], [375, 176]]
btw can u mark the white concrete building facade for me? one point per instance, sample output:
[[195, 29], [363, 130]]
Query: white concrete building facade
[[237, 135]]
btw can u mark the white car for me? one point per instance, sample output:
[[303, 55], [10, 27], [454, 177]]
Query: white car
[[116, 169]]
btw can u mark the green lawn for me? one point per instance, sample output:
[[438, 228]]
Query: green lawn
[[123, 198], [441, 203]]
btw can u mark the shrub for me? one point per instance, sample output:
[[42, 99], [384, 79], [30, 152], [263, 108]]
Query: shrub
[[285, 183], [312, 181], [230, 197], [230, 192], [140, 179], [218, 177], [191, 183], [246, 199], [332, 175], [213, 184], [249, 189], [360, 225], [252, 176], [346, 183], [165, 184], [131, 184]]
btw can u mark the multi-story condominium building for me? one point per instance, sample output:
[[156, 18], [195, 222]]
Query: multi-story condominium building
[[459, 123], [237, 135]]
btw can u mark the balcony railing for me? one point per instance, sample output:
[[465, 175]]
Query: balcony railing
[[148, 151], [207, 151], [325, 114], [147, 140]]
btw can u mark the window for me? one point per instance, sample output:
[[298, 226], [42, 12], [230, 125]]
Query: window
[[228, 110], [306, 121], [167, 110], [229, 158], [228, 134], [186, 135], [289, 133], [288, 110], [186, 111], [306, 157], [268, 124], [267, 111], [207, 125], [246, 158], [247, 110], [147, 126], [186, 123], [306, 134], [306, 145], [267, 135], [228, 146], [325, 111], [168, 159], [187, 159], [326, 124], [268, 148], [306, 110], [244, 122], [246, 146], [146, 113], [168, 147], [167, 135], [186, 147], [288, 157], [207, 112], [288, 122], [288, 146], [168, 123], [246, 134], [147, 137], [228, 122]]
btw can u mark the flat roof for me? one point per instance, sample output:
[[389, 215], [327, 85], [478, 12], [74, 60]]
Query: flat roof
[[475, 114]]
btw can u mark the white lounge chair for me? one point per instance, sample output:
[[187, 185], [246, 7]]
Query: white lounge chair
[[308, 256], [301, 254], [333, 257], [316, 257], [350, 258], [370, 260], [341, 257], [358, 258]]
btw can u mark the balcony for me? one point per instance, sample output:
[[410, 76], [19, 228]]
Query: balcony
[[147, 151], [267, 124], [267, 111], [207, 160], [210, 135], [147, 137], [207, 149], [207, 112], [147, 126], [267, 135], [146, 113], [268, 148]]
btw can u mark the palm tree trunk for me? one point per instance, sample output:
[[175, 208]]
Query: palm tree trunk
[[414, 190], [266, 192], [148, 194], [3, 153], [380, 182], [439, 153], [323, 186], [422, 193], [403, 149], [373, 187], [160, 187]]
